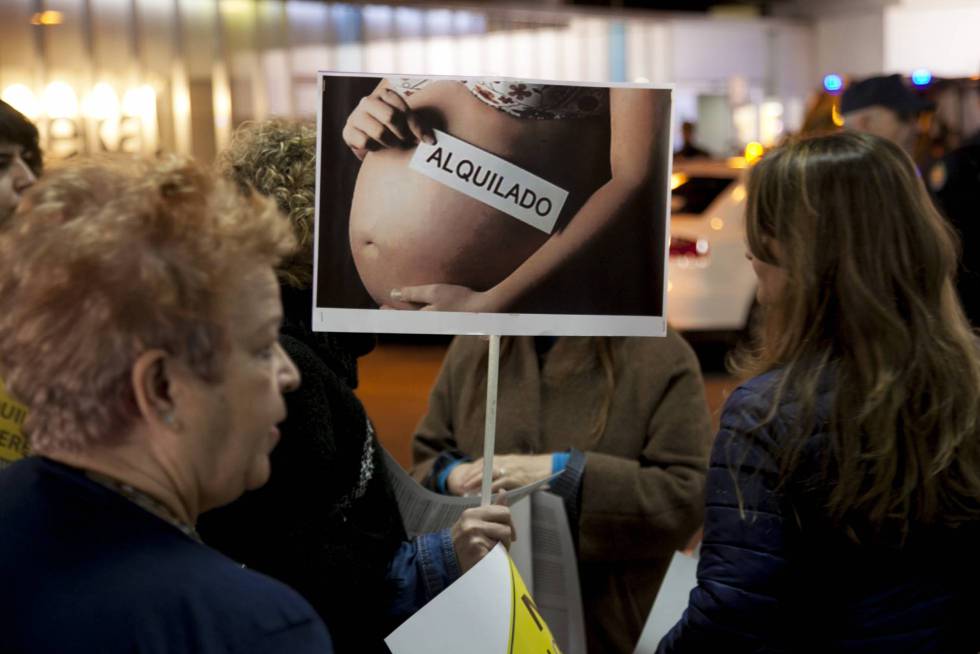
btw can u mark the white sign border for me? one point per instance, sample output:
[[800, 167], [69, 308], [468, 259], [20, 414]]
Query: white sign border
[[502, 324]]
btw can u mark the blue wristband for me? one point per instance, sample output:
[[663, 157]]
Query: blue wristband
[[559, 460], [444, 476]]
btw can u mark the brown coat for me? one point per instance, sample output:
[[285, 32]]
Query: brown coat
[[643, 484]]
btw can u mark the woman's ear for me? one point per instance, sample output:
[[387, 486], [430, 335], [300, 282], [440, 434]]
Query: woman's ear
[[153, 387]]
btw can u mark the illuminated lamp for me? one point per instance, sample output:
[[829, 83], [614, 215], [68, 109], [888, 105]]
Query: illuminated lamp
[[921, 77], [21, 98], [101, 103], [753, 151], [47, 18], [59, 101], [833, 83]]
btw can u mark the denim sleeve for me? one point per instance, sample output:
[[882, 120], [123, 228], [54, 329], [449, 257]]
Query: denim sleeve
[[421, 569]]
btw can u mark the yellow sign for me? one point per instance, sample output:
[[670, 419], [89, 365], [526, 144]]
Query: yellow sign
[[13, 445], [528, 632]]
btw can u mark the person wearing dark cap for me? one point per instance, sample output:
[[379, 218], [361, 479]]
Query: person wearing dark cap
[[689, 148], [955, 185], [883, 106]]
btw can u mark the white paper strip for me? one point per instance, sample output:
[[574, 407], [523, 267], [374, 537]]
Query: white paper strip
[[491, 180]]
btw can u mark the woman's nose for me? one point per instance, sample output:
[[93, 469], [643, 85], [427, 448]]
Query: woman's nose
[[289, 377], [24, 177]]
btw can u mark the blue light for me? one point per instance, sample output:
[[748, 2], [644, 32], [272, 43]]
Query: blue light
[[921, 77], [833, 83]]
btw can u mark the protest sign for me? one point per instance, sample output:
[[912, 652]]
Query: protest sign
[[487, 611], [498, 206]]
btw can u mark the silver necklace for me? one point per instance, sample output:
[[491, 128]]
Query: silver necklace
[[366, 472], [146, 502]]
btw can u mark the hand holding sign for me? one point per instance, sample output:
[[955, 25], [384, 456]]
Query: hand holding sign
[[479, 529], [382, 120]]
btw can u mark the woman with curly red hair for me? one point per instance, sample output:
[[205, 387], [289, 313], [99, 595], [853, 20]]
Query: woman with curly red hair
[[139, 317]]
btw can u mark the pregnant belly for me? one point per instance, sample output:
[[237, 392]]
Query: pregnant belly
[[407, 229]]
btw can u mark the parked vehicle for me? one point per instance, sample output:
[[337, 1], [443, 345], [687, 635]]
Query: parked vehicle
[[711, 287]]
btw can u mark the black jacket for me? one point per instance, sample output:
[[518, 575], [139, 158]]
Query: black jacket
[[301, 527]]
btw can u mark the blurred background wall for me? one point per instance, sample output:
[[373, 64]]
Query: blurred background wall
[[143, 75]]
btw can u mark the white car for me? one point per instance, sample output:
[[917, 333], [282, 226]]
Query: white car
[[711, 286]]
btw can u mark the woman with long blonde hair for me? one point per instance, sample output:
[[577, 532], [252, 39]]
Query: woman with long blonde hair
[[843, 497]]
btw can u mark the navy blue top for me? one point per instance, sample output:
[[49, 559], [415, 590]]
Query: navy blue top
[[775, 575], [83, 569]]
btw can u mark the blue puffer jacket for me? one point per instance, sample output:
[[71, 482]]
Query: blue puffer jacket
[[778, 577]]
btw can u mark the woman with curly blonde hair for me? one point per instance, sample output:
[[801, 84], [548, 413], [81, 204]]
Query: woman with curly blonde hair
[[843, 499]]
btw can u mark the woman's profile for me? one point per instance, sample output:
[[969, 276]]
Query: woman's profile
[[139, 324]]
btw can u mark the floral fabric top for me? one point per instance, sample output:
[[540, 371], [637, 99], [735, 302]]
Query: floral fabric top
[[524, 99]]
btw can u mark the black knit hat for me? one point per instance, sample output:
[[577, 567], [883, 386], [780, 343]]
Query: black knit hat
[[886, 91]]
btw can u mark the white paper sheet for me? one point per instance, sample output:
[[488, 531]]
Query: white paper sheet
[[424, 511], [555, 572], [522, 549], [672, 599], [473, 615]]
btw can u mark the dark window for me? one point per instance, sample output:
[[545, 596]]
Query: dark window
[[697, 193]]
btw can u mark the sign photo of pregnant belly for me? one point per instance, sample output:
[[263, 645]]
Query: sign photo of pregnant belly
[[491, 205]]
